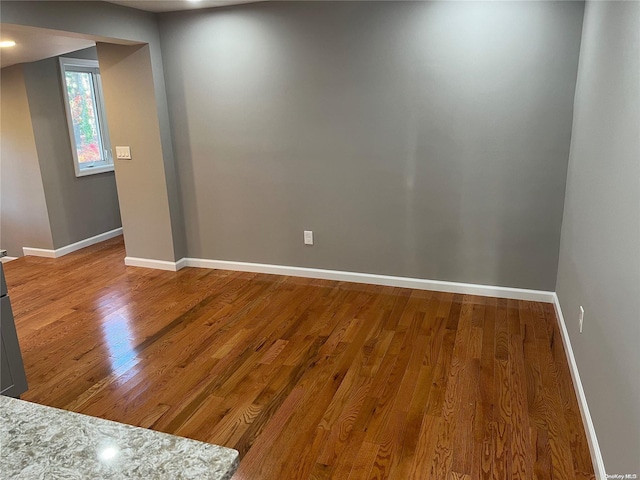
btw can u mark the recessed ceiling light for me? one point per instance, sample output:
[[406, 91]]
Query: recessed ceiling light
[[7, 43]]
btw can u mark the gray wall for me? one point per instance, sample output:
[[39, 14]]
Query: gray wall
[[79, 207], [106, 22], [23, 211], [600, 249], [418, 139]]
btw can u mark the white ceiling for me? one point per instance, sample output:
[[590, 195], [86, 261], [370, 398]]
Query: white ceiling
[[34, 44], [173, 5]]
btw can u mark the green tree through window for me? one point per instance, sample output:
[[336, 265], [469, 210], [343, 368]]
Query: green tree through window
[[87, 125]]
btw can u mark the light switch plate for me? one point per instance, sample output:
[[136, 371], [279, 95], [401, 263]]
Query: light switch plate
[[123, 153]]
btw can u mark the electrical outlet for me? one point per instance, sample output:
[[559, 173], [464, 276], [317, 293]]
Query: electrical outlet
[[308, 237], [581, 317]]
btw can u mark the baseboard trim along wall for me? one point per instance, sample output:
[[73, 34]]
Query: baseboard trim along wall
[[341, 276], [387, 280], [39, 252], [594, 448], [156, 264], [59, 252]]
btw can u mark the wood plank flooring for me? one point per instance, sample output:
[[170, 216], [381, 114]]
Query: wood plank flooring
[[307, 379]]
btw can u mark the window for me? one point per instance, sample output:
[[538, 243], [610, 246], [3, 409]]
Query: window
[[85, 116]]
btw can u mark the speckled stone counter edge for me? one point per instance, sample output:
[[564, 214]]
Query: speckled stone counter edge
[[44, 442]]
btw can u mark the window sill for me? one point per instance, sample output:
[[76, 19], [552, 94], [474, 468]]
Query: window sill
[[94, 170]]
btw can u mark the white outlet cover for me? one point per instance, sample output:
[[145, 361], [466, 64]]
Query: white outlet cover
[[581, 318], [308, 237]]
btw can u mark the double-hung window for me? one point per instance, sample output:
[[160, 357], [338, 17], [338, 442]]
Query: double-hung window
[[86, 118]]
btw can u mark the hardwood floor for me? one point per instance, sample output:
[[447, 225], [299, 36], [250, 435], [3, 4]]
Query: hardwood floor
[[306, 378]]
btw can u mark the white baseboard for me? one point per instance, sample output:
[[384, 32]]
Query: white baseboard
[[374, 279], [7, 259], [180, 264], [59, 252], [406, 282], [39, 252], [594, 448], [157, 264]]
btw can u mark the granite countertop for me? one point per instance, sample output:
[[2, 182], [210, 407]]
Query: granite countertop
[[45, 443]]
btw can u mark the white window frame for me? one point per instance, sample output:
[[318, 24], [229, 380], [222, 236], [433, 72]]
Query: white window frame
[[106, 162]]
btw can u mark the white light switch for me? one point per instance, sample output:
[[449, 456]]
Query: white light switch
[[123, 153]]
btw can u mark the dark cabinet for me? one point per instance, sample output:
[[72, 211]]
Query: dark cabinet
[[13, 381]]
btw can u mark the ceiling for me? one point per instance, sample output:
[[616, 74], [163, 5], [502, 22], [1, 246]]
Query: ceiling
[[173, 5], [34, 44]]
